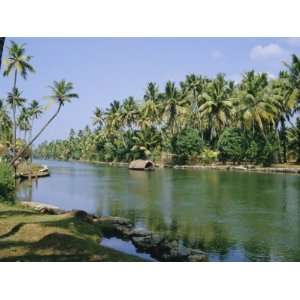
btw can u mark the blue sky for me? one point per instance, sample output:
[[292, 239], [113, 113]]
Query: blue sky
[[105, 69]]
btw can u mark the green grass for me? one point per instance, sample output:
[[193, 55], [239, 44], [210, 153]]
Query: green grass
[[26, 235]]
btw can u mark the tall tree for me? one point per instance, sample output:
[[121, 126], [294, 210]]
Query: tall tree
[[17, 62], [2, 41], [62, 93], [15, 101]]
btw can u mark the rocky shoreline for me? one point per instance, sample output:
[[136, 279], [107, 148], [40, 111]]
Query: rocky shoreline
[[159, 247]]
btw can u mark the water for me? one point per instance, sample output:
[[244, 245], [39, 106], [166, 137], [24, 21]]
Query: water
[[234, 216]]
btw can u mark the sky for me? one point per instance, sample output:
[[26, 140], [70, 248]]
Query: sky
[[107, 69]]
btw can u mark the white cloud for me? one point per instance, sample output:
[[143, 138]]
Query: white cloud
[[267, 52], [216, 54], [293, 41]]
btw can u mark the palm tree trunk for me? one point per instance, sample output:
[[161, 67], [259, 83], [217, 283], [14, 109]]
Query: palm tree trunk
[[20, 153], [283, 128], [2, 41], [14, 115]]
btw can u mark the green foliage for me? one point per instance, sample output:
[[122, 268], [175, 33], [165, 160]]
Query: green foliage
[[187, 144], [7, 183], [208, 156], [246, 122], [231, 145]]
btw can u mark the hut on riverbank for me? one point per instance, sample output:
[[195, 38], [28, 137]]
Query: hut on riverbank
[[141, 165]]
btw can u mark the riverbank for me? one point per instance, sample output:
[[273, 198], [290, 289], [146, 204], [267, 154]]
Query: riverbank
[[40, 234], [288, 168], [31, 231]]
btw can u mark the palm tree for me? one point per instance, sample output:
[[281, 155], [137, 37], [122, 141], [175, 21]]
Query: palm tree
[[114, 116], [284, 98], [217, 105], [173, 103], [18, 63], [2, 41], [5, 124], [145, 141], [98, 118], [294, 71], [15, 101], [255, 108], [62, 93], [151, 110], [35, 110], [24, 121], [129, 112]]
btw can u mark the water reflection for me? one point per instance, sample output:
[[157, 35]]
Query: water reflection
[[233, 216]]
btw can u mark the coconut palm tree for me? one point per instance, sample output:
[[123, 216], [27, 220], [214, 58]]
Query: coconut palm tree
[[282, 94], [255, 108], [114, 117], [217, 105], [98, 118], [294, 71], [5, 124], [129, 112], [15, 101], [173, 103], [2, 41], [62, 93], [24, 122], [145, 141], [17, 62], [151, 110], [35, 110]]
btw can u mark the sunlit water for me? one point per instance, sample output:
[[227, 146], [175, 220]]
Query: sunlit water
[[234, 216]]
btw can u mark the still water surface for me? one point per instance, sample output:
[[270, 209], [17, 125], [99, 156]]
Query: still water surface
[[233, 216]]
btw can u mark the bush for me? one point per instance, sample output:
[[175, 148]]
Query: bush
[[209, 156], [231, 145], [7, 183], [187, 144]]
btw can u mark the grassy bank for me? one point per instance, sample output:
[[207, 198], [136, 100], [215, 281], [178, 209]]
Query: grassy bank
[[27, 235]]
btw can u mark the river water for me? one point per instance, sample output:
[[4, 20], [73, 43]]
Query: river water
[[234, 216]]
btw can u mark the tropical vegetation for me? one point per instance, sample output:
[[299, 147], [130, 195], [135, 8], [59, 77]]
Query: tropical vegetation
[[18, 114], [201, 120]]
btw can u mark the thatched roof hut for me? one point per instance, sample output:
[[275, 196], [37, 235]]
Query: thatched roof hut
[[141, 164]]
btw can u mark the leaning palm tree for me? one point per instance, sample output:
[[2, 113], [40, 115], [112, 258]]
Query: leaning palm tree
[[62, 93]]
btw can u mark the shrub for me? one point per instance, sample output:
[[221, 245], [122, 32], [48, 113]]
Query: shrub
[[209, 156], [7, 183], [231, 145], [187, 145]]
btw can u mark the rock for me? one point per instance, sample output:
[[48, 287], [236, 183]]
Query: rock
[[42, 207], [140, 232], [80, 215], [198, 258]]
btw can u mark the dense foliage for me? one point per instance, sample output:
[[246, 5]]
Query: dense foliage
[[7, 182], [201, 120]]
